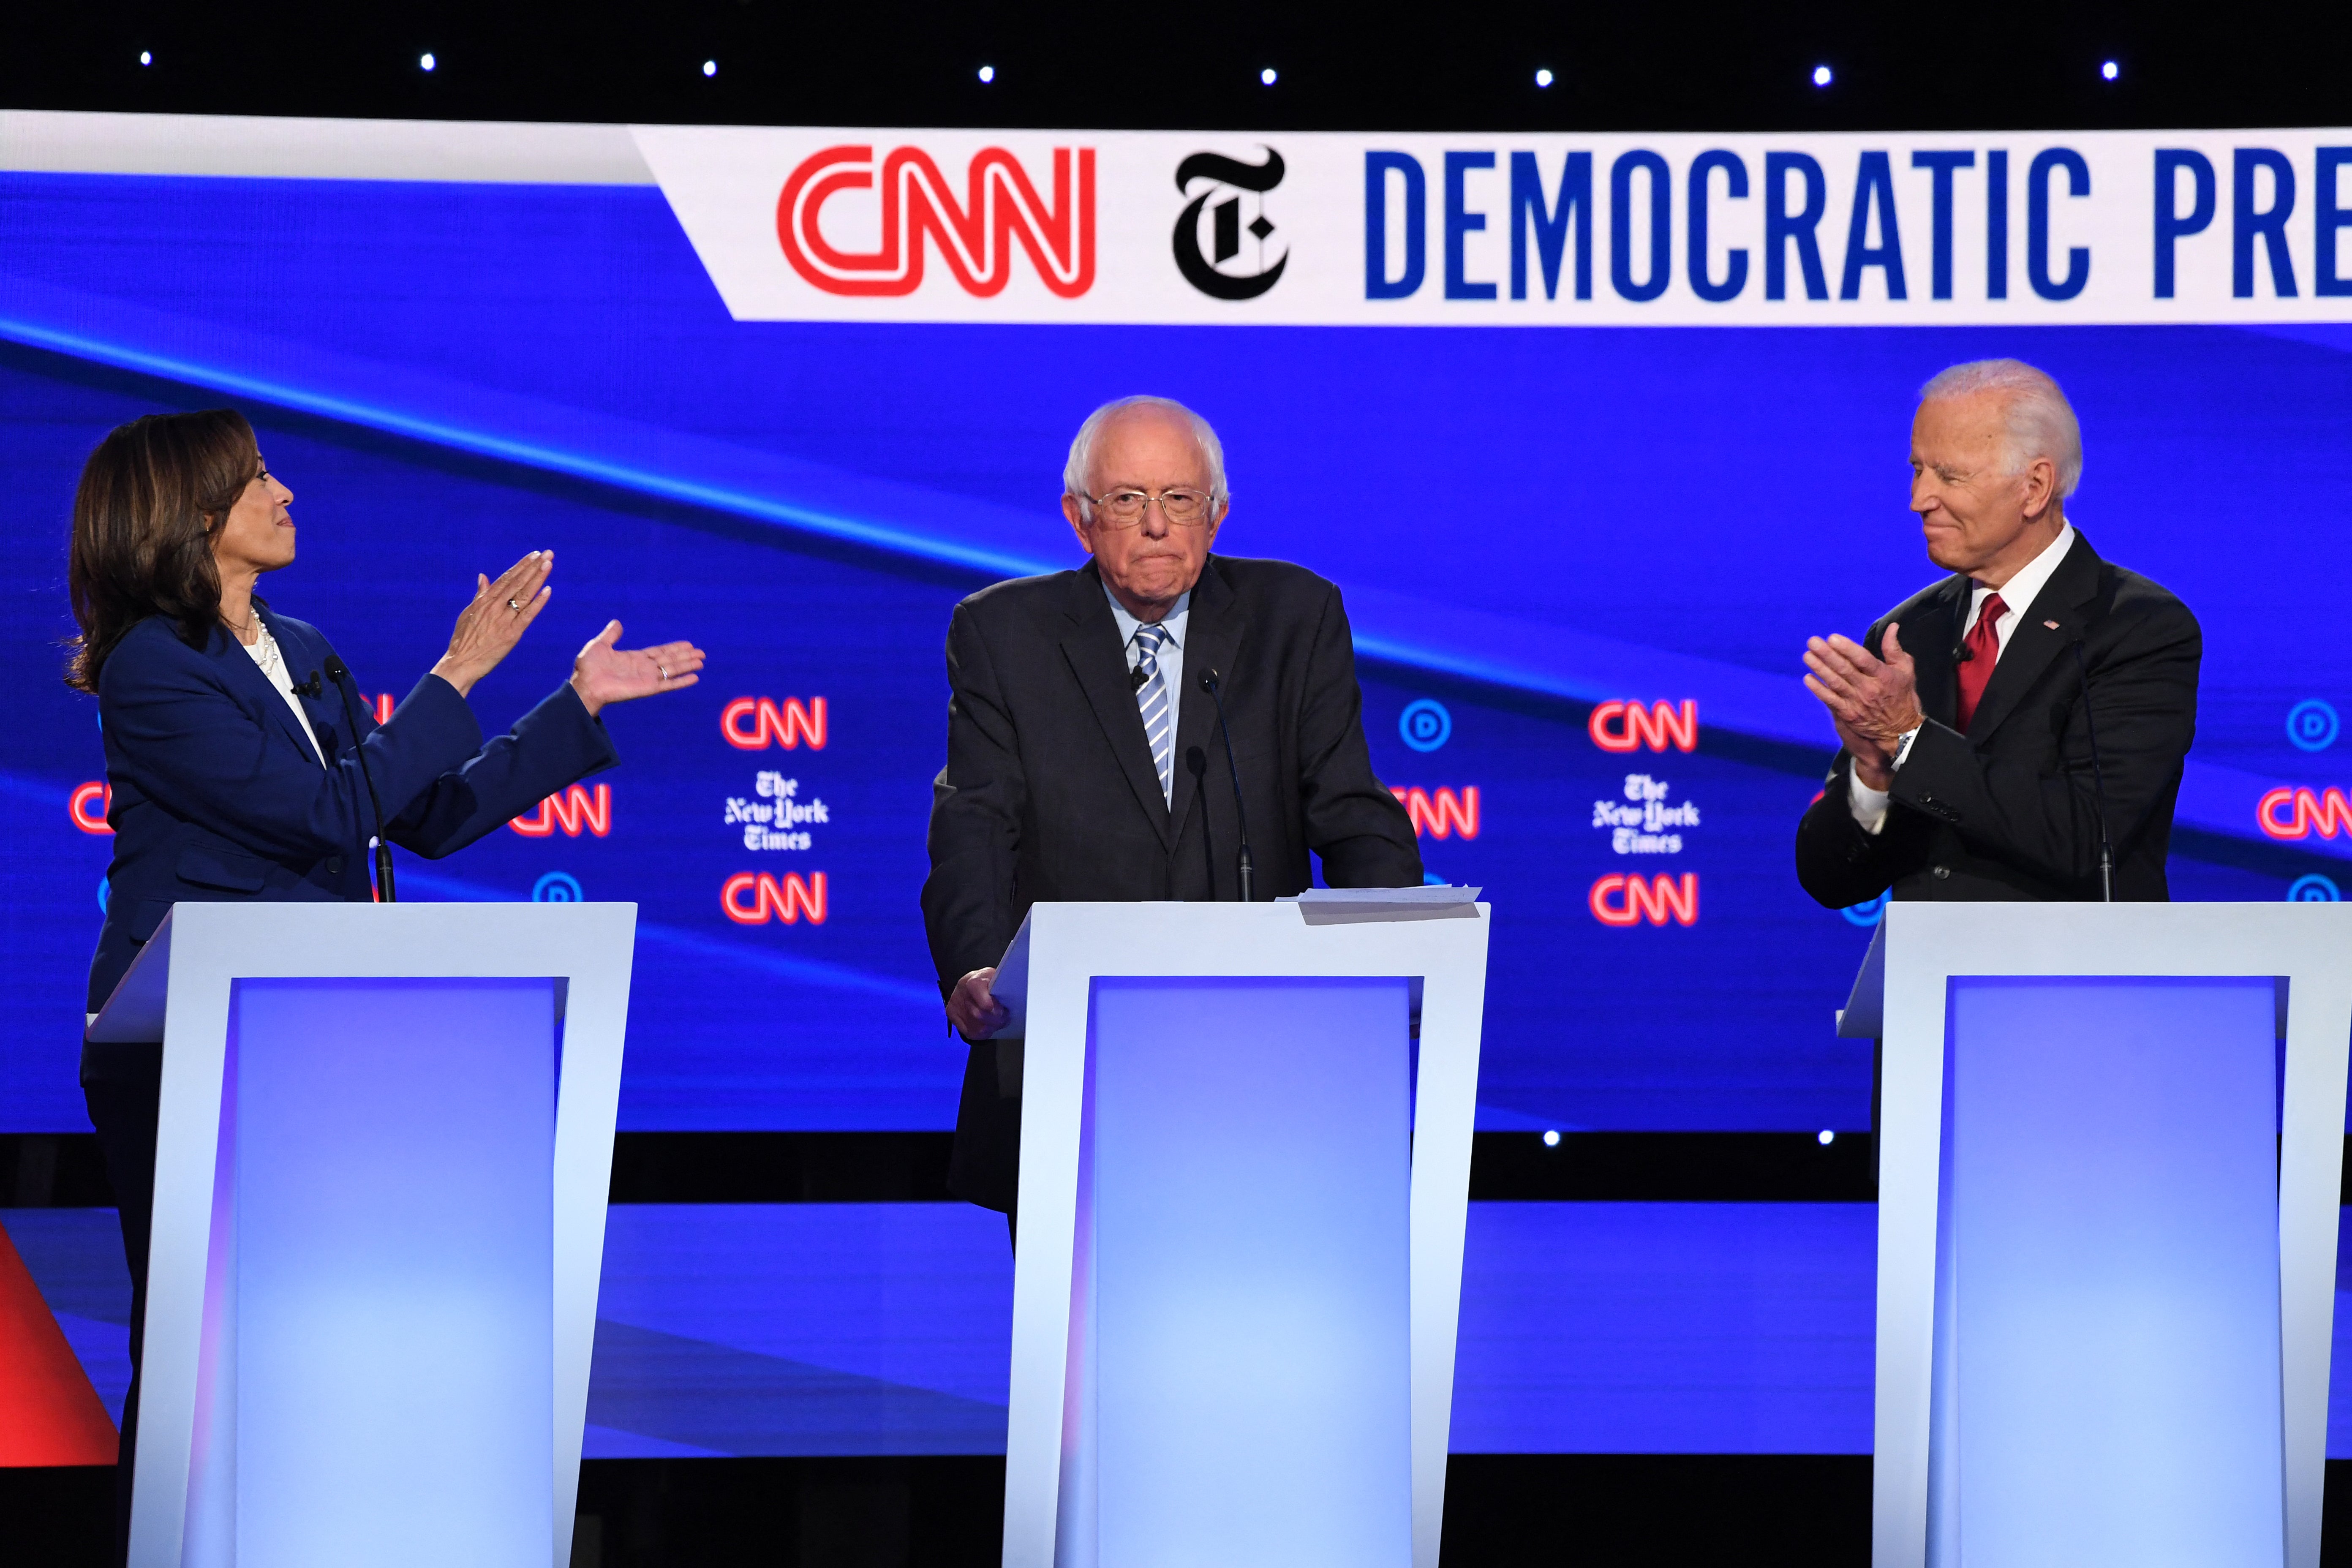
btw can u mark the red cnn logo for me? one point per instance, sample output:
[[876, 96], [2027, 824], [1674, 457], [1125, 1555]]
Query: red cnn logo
[[1628, 726], [754, 898], [572, 810], [754, 723], [1001, 208], [1623, 901], [88, 804], [1441, 814], [2328, 812]]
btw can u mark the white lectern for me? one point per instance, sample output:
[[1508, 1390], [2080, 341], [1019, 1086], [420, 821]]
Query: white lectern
[[2112, 1140], [1244, 1178], [386, 1136]]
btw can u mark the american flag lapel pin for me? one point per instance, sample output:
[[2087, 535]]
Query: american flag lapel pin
[[2052, 625]]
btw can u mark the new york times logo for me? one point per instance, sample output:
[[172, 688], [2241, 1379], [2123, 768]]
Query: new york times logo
[[1218, 209]]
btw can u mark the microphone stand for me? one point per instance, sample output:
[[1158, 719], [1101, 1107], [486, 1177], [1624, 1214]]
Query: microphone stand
[[1196, 762], [1210, 683], [341, 675], [2098, 783]]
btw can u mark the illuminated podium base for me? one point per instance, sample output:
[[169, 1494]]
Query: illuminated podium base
[[1242, 1212], [385, 1141], [2107, 1230]]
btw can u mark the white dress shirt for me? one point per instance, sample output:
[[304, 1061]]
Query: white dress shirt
[[2016, 596], [1171, 656], [264, 649]]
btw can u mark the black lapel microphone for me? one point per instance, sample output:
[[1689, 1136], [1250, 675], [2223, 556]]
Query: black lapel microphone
[[2098, 783], [1962, 653], [1210, 683], [309, 688], [1135, 678], [1196, 762], [341, 675]]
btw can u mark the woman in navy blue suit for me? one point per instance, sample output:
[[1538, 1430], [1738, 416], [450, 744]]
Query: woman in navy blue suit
[[235, 772]]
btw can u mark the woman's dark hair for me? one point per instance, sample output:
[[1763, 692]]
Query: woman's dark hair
[[152, 498]]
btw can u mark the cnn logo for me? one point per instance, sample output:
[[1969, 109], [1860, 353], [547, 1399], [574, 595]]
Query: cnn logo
[[1621, 899], [575, 811], [755, 897], [1441, 814], [1628, 726], [755, 723], [1001, 213], [2327, 812]]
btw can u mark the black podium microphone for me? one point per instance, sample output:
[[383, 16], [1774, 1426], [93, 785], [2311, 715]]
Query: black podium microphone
[[2098, 783], [1210, 683], [1196, 762], [341, 675]]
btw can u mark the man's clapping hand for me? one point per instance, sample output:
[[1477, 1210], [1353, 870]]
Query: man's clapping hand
[[1874, 702]]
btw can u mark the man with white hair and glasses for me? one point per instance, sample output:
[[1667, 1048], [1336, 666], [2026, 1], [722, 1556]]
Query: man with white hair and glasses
[[1085, 757], [2016, 732]]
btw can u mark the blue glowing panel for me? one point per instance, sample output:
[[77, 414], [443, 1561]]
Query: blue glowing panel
[[2114, 1273], [1252, 1155], [393, 1329]]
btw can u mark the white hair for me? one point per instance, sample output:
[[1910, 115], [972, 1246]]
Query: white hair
[[1076, 477], [2041, 423]]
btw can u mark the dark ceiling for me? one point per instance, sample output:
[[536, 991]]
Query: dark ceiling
[[2002, 65]]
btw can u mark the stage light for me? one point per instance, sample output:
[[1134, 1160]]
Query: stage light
[[425, 62], [987, 73], [146, 58], [1827, 1138], [1266, 76], [2110, 70], [710, 68], [1543, 79], [1551, 1140], [1823, 77]]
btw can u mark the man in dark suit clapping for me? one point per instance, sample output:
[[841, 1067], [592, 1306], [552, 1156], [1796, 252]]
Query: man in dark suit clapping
[[2009, 731], [1085, 761]]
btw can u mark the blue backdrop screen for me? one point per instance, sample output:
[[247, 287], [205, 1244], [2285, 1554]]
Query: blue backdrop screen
[[1535, 529]]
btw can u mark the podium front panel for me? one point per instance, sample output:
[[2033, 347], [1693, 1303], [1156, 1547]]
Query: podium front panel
[[1251, 1152], [2108, 1383], [394, 1309]]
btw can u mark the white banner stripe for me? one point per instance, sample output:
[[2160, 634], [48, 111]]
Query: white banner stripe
[[1483, 228]]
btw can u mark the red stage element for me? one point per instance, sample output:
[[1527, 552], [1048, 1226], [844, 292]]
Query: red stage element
[[49, 1415]]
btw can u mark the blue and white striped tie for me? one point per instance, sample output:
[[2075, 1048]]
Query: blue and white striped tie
[[1152, 697]]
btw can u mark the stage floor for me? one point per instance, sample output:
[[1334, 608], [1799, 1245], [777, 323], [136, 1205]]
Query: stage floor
[[883, 1328]]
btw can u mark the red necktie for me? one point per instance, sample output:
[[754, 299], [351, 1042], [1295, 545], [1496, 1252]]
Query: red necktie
[[1984, 652]]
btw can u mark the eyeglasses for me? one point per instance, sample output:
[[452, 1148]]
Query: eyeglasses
[[1125, 509]]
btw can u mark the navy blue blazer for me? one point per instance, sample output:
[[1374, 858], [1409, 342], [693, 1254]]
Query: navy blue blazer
[[218, 797]]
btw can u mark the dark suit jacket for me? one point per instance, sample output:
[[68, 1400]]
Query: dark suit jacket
[[218, 796], [1049, 791], [2009, 810]]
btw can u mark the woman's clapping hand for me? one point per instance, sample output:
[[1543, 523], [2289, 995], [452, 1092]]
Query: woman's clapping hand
[[488, 628], [604, 673]]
